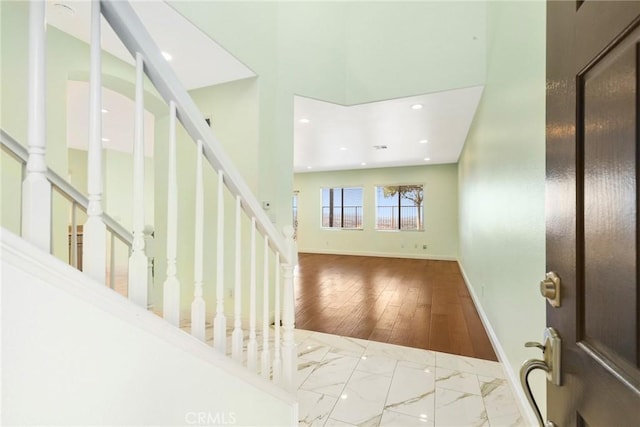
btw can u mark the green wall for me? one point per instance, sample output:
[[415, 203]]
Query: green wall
[[502, 182], [440, 213], [344, 52]]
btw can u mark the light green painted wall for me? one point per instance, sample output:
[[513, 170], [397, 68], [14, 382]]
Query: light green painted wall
[[403, 48], [440, 213], [343, 52], [233, 108], [502, 182]]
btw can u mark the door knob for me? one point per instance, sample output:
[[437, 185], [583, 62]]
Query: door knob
[[550, 288]]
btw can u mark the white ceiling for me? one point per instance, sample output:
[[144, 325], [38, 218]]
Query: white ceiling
[[341, 137], [117, 120], [337, 137], [197, 59]]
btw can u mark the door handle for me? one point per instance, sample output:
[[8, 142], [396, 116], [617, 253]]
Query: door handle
[[550, 364]]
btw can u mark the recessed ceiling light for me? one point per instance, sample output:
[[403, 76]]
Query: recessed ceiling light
[[343, 148], [305, 121], [104, 110], [309, 167], [344, 396], [423, 141], [167, 56], [363, 164], [417, 106], [105, 140], [426, 159]]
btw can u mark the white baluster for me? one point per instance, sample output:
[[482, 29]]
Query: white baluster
[[112, 261], [138, 276], [36, 189], [171, 285], [252, 346], [74, 236], [198, 305], [94, 245], [237, 337], [265, 312], [220, 321], [289, 352], [277, 361]]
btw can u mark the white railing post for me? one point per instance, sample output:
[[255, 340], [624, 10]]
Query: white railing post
[[36, 189], [289, 351], [198, 305], [138, 276], [277, 362], [220, 321], [252, 345], [265, 366], [94, 245], [237, 336], [171, 285]]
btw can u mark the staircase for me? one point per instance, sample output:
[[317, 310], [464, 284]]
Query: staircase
[[254, 346]]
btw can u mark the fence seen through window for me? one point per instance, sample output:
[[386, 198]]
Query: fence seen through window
[[342, 207], [399, 207]]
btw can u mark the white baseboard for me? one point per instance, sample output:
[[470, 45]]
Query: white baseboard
[[513, 377], [379, 254]]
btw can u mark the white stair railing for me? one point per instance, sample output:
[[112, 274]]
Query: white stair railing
[[77, 201], [278, 358], [276, 246]]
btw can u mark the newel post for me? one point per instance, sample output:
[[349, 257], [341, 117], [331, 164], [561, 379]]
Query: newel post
[[36, 190], [94, 248], [289, 351]]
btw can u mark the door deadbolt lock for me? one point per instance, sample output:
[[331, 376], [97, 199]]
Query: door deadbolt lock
[[550, 288]]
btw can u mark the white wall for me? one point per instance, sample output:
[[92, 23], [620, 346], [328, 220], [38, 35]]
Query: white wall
[[502, 184], [440, 213], [76, 353]]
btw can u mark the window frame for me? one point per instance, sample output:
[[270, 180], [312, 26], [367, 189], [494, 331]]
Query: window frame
[[359, 220], [420, 212]]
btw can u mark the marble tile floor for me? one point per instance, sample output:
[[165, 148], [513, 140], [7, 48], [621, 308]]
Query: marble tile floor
[[348, 382], [352, 382]]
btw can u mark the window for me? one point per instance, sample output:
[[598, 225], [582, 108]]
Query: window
[[399, 207], [342, 207]]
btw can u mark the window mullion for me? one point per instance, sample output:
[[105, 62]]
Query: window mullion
[[399, 210]]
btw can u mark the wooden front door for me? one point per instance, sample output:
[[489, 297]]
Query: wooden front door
[[592, 209]]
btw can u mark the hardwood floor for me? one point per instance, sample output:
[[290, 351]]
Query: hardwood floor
[[410, 302]]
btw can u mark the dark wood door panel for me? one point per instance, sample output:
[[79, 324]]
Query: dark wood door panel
[[592, 209], [607, 114], [599, 24]]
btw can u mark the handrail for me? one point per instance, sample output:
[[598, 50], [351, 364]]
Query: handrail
[[126, 24], [19, 152]]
